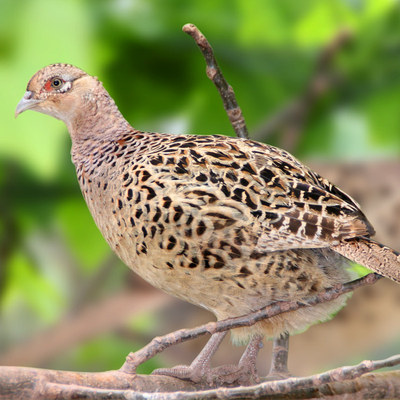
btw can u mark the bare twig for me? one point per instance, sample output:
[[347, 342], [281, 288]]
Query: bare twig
[[224, 89], [290, 120], [159, 344], [85, 324]]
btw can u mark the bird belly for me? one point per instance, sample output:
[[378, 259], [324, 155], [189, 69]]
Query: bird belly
[[188, 258]]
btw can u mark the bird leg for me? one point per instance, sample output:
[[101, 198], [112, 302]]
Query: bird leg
[[244, 373], [280, 349], [249, 357], [200, 368], [247, 364]]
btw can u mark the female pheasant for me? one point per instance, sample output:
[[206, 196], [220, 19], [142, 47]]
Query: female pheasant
[[228, 224]]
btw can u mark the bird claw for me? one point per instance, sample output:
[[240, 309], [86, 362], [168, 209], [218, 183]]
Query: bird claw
[[184, 372], [234, 375]]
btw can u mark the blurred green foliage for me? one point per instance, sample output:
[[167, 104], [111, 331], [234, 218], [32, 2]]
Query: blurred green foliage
[[49, 245]]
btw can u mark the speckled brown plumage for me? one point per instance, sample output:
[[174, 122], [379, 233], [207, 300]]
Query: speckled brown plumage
[[206, 220], [228, 224]]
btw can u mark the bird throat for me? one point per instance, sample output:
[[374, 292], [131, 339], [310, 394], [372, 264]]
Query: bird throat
[[88, 122]]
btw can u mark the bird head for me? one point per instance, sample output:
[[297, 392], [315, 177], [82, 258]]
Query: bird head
[[59, 90], [71, 95]]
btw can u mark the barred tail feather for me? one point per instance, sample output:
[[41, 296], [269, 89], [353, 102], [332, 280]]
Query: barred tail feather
[[372, 255]]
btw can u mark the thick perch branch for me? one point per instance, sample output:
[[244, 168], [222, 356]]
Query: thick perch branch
[[224, 89], [31, 383], [25, 383]]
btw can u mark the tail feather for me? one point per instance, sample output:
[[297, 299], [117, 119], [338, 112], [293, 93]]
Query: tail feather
[[373, 255]]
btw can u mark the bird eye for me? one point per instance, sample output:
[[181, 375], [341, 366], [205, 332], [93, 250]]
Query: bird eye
[[56, 83]]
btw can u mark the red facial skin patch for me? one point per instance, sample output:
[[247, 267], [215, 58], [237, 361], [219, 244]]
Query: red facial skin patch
[[47, 86]]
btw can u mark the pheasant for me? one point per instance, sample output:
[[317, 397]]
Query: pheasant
[[228, 224]]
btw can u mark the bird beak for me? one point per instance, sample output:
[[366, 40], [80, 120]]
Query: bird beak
[[26, 103]]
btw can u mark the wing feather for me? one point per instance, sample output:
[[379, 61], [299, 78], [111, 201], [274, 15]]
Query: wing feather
[[285, 203]]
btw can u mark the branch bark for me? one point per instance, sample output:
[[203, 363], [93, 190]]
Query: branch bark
[[28, 383], [224, 89], [159, 344], [290, 120], [31, 383]]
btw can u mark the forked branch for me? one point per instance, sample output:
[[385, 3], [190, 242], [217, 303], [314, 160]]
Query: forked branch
[[29, 383]]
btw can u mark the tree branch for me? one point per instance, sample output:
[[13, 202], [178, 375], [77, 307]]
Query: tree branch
[[159, 344], [224, 89], [84, 325], [30, 383], [290, 120], [119, 384]]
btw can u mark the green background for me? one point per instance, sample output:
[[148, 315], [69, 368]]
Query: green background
[[49, 245]]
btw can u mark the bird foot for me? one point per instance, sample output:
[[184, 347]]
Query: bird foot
[[200, 371], [235, 375], [184, 372], [225, 375]]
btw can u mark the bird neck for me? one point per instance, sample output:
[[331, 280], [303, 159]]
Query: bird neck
[[97, 117]]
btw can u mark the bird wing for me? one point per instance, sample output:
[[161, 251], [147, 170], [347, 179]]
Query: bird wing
[[260, 187]]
